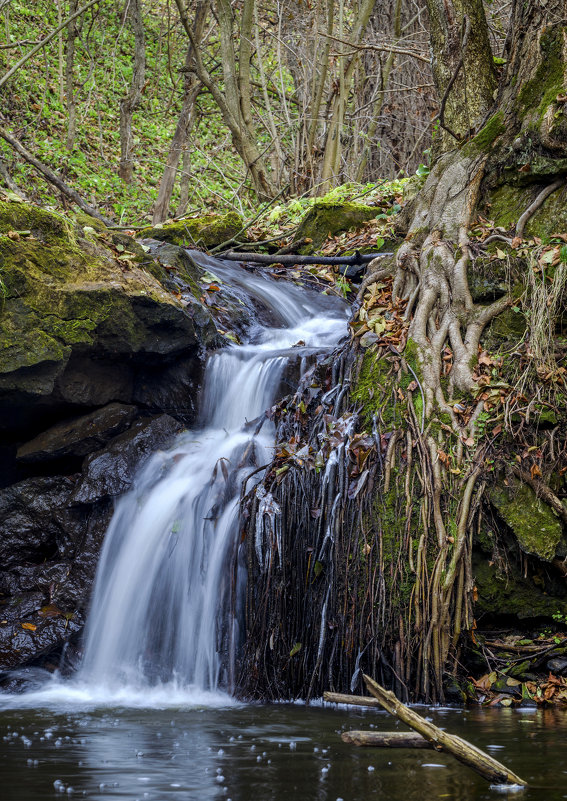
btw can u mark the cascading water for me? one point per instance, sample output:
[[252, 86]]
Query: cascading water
[[159, 612]]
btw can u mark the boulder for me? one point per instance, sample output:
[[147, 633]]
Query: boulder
[[535, 525], [329, 217], [110, 472], [207, 231], [82, 322], [79, 436]]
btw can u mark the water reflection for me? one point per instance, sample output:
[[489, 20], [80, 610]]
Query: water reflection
[[252, 753]]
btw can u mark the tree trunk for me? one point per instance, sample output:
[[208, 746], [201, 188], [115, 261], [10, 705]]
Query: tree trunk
[[130, 103], [192, 87], [432, 277], [69, 84]]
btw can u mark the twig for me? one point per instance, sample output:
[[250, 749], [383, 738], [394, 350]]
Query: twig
[[380, 48]]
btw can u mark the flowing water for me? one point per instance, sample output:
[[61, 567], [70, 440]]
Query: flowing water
[[148, 715]]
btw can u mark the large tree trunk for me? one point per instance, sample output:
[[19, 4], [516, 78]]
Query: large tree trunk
[[432, 275]]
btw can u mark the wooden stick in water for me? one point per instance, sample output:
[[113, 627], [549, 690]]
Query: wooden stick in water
[[462, 750]]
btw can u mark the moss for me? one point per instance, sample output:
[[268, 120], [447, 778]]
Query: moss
[[507, 328], [368, 389], [539, 93], [43, 225], [62, 295], [327, 218], [208, 231], [486, 137], [534, 524]]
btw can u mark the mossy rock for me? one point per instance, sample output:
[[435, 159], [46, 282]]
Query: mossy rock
[[207, 232], [327, 218], [533, 522], [512, 594], [64, 296]]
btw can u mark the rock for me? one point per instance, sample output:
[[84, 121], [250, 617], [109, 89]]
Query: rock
[[327, 218], [369, 338], [534, 524], [557, 665], [29, 633], [110, 472], [80, 436], [80, 326], [33, 519], [207, 231]]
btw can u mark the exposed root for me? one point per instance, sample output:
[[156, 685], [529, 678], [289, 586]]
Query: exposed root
[[538, 202]]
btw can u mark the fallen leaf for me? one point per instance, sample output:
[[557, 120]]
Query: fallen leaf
[[29, 626]]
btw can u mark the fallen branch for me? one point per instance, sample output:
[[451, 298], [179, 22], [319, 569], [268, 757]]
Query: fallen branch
[[264, 258], [386, 739], [462, 750], [353, 700], [52, 177]]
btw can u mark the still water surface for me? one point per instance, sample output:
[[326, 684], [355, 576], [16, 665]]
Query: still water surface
[[264, 753]]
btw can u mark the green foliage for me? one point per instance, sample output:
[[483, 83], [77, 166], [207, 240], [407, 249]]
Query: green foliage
[[34, 103]]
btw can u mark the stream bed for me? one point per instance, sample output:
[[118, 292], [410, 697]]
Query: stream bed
[[261, 753]]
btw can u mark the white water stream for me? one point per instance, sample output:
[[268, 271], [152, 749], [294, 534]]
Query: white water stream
[[160, 628]]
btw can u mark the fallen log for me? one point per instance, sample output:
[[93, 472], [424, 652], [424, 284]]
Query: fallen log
[[265, 258], [462, 750], [386, 739]]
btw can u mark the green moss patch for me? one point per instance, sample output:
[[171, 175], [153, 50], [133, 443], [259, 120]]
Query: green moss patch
[[534, 524], [208, 231], [327, 218]]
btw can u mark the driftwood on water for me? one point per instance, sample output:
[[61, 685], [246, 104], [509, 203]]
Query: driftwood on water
[[440, 740], [265, 258], [386, 739]]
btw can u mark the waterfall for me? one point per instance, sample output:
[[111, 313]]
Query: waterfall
[[161, 607]]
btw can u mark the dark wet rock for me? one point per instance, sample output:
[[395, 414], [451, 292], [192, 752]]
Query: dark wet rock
[[27, 632], [110, 472], [33, 519], [80, 436], [557, 665]]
